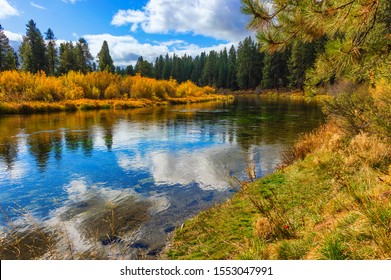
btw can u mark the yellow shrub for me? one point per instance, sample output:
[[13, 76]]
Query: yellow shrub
[[112, 91], [208, 90], [171, 87], [24, 86], [94, 94], [48, 88], [189, 89], [73, 92], [141, 87], [102, 80], [13, 84], [126, 86]]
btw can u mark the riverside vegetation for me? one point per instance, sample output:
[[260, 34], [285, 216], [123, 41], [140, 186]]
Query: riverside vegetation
[[23, 92]]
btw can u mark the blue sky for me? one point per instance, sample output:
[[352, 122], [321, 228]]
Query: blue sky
[[132, 28]]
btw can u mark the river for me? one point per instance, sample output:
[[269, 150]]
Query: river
[[125, 179]]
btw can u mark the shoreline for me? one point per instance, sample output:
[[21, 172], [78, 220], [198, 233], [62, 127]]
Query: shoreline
[[328, 201], [34, 107]]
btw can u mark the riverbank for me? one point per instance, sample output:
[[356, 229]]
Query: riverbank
[[279, 94], [332, 204], [31, 107], [331, 199]]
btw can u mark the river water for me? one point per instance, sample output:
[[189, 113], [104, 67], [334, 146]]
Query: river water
[[128, 178]]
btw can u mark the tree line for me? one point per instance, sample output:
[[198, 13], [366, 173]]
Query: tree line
[[38, 53], [240, 68]]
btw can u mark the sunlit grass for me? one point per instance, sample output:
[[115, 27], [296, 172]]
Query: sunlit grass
[[332, 200]]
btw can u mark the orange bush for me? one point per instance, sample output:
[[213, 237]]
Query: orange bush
[[188, 88], [24, 86], [48, 88], [112, 91]]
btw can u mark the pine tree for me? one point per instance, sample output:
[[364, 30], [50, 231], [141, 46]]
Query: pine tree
[[105, 62], [51, 53], [8, 61], [129, 70], [144, 68], [222, 80], [275, 70], [167, 67], [198, 67], [177, 68], [32, 51], [159, 66], [120, 71], [187, 63], [232, 68], [249, 64], [67, 58], [210, 70], [302, 58], [83, 57]]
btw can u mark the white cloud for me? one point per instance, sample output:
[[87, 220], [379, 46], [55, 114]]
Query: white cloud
[[219, 19], [193, 50], [13, 37], [124, 49], [70, 1], [171, 43], [122, 18], [6, 10], [37, 6]]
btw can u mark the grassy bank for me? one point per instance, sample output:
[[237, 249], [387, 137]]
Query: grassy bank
[[90, 104], [330, 200]]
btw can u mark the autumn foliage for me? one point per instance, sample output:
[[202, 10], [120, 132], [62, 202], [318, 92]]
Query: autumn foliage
[[18, 86]]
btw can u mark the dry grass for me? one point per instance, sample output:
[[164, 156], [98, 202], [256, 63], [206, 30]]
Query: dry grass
[[327, 137]]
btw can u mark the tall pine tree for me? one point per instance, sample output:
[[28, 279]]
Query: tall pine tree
[[67, 58], [8, 60], [51, 53], [232, 68], [83, 57], [249, 64], [32, 51], [105, 62]]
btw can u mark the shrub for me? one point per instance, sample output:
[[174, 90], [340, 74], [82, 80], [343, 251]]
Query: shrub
[[352, 110], [73, 92], [364, 110], [48, 88], [126, 86], [24, 86], [112, 91], [188, 89]]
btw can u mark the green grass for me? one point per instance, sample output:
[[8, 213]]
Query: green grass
[[335, 203]]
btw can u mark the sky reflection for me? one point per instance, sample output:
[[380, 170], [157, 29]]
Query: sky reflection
[[174, 161]]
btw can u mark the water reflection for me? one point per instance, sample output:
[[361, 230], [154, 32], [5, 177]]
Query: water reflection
[[170, 162]]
